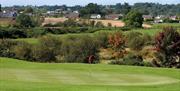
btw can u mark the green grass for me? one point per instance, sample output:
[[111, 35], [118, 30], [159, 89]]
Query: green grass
[[151, 32], [28, 40], [161, 25], [17, 75]]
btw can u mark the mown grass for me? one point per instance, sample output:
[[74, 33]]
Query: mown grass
[[161, 25], [28, 40], [18, 75]]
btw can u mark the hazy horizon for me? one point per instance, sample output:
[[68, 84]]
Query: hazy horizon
[[79, 2]]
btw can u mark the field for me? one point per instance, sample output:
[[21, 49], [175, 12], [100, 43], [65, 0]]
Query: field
[[17, 75], [53, 20], [114, 23], [6, 21], [161, 25]]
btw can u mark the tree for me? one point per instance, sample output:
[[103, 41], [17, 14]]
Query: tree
[[134, 19], [0, 8], [168, 48], [122, 8], [24, 21], [91, 8], [28, 10]]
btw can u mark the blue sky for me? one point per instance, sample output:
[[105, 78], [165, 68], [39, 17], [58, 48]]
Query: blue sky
[[78, 2]]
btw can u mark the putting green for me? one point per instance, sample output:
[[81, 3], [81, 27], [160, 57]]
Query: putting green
[[18, 75], [83, 77]]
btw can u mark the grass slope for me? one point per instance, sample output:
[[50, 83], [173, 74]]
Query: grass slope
[[17, 75]]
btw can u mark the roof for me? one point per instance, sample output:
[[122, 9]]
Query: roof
[[95, 14], [113, 16], [147, 16], [72, 15]]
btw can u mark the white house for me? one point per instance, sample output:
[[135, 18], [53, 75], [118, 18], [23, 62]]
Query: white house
[[173, 17], [95, 16]]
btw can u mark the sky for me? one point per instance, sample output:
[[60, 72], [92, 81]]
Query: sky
[[78, 2]]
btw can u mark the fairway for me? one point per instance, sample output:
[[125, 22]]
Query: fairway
[[17, 75]]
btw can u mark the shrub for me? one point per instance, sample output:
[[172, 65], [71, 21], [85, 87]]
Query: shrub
[[5, 47], [130, 59], [125, 28], [36, 32], [78, 50], [99, 24], [167, 44], [109, 25], [148, 40], [22, 50], [117, 41], [12, 33], [47, 50], [135, 41], [133, 60], [102, 39]]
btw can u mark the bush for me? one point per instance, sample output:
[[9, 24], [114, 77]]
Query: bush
[[148, 40], [36, 32], [5, 47], [117, 41], [74, 49], [125, 28], [78, 50], [167, 44], [135, 41], [22, 51], [99, 24], [130, 59], [133, 60], [47, 50], [12, 33], [102, 39]]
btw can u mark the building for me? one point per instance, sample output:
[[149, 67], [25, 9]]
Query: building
[[72, 15], [159, 19], [173, 17], [95, 16], [8, 14], [113, 16], [147, 17]]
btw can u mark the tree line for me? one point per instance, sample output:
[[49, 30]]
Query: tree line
[[145, 8]]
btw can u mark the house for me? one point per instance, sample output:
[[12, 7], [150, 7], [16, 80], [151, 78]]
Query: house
[[173, 17], [8, 14], [72, 15], [159, 19], [147, 17], [58, 11], [95, 16], [113, 16]]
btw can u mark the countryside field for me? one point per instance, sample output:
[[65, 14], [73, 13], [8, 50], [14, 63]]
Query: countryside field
[[114, 23], [18, 75]]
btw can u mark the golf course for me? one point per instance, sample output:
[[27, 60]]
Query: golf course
[[18, 75]]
